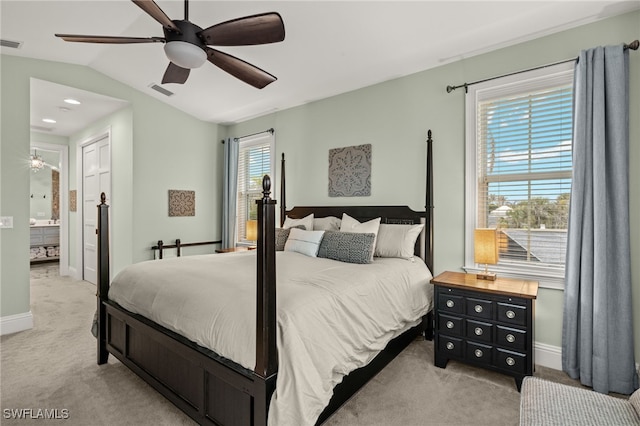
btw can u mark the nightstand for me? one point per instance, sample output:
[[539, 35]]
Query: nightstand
[[485, 323], [234, 249]]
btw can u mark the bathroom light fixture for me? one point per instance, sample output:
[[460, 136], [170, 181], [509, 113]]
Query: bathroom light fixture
[[184, 54], [36, 162]]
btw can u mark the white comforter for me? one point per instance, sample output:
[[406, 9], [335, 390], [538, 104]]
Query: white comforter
[[333, 317]]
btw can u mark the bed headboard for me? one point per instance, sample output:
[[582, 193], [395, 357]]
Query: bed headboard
[[388, 214]]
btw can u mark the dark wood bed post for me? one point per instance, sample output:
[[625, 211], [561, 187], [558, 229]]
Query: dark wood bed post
[[428, 254], [283, 201], [103, 277]]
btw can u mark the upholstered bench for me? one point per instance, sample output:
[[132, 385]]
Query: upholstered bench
[[543, 402]]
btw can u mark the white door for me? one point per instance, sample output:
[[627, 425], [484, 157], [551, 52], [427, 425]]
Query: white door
[[95, 180]]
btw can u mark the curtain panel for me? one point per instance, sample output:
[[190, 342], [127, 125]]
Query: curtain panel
[[597, 340], [230, 193]]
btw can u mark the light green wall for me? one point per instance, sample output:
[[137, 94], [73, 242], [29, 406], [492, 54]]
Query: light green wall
[[394, 117], [154, 148]]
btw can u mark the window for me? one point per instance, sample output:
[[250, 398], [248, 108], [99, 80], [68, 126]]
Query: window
[[519, 165], [255, 159]]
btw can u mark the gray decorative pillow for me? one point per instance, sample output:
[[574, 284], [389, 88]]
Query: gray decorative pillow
[[282, 234], [350, 247], [281, 238]]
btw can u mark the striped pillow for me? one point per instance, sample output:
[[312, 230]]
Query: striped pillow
[[305, 242]]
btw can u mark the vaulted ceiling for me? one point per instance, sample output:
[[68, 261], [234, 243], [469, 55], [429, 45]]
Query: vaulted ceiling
[[331, 47]]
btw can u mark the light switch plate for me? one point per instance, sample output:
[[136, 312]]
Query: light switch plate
[[6, 222]]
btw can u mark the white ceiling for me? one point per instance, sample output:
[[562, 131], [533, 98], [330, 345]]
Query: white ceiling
[[331, 47]]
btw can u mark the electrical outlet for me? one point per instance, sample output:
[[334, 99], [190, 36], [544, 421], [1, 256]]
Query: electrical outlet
[[6, 222]]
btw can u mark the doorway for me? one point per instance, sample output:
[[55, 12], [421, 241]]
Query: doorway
[[49, 205]]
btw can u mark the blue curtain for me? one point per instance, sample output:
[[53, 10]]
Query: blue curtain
[[597, 331], [229, 193]]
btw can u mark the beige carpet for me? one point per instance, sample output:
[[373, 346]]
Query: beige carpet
[[53, 367]]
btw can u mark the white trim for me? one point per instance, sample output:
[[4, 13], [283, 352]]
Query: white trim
[[63, 152], [15, 323], [548, 355]]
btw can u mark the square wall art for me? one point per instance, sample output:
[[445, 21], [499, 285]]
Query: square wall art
[[182, 203], [350, 171]]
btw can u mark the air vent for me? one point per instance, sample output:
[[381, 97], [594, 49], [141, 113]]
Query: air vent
[[10, 43], [160, 89], [41, 128]]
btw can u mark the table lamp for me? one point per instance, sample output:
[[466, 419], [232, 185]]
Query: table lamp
[[252, 230], [485, 248]]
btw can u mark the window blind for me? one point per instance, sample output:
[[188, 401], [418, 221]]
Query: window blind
[[524, 173], [254, 161]]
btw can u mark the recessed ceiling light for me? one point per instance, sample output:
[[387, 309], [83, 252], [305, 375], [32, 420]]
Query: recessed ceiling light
[[49, 120], [72, 101], [64, 109]]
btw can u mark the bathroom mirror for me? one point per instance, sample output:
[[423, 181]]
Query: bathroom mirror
[[44, 195]]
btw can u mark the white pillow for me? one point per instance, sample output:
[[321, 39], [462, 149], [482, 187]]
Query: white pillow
[[306, 221], [329, 223], [305, 242], [350, 224], [397, 240]]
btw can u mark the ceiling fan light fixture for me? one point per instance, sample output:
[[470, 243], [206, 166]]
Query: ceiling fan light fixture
[[184, 54]]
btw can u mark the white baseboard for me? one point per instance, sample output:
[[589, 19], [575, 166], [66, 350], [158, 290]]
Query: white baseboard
[[548, 355], [15, 323]]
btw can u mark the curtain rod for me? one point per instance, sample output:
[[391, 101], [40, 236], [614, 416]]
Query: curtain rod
[[271, 130], [633, 46]]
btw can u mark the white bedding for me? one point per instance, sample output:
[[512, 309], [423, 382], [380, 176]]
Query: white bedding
[[333, 317]]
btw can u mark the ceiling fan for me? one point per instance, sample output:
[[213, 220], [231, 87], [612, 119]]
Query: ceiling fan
[[187, 45]]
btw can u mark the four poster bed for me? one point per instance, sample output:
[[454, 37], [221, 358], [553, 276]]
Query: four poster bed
[[326, 310]]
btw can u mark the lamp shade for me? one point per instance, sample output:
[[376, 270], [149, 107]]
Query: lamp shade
[[252, 230], [486, 246]]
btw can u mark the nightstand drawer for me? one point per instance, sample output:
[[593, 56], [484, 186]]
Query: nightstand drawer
[[449, 324], [514, 314], [479, 353], [481, 331], [451, 303], [512, 361], [451, 345], [479, 308], [511, 338]]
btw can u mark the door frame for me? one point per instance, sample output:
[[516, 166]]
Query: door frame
[[63, 152], [106, 133]]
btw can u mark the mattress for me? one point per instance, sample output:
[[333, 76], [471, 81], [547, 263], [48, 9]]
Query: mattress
[[332, 317]]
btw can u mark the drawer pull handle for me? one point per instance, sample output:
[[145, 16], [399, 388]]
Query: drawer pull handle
[[511, 338], [511, 314], [478, 308], [510, 361], [450, 345], [478, 331], [450, 303], [449, 324], [478, 353]]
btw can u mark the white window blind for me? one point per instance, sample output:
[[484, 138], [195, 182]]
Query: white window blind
[[523, 168], [255, 159]]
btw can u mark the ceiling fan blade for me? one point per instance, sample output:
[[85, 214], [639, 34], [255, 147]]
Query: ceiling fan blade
[[250, 30], [175, 74], [156, 13], [109, 39], [240, 69]]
